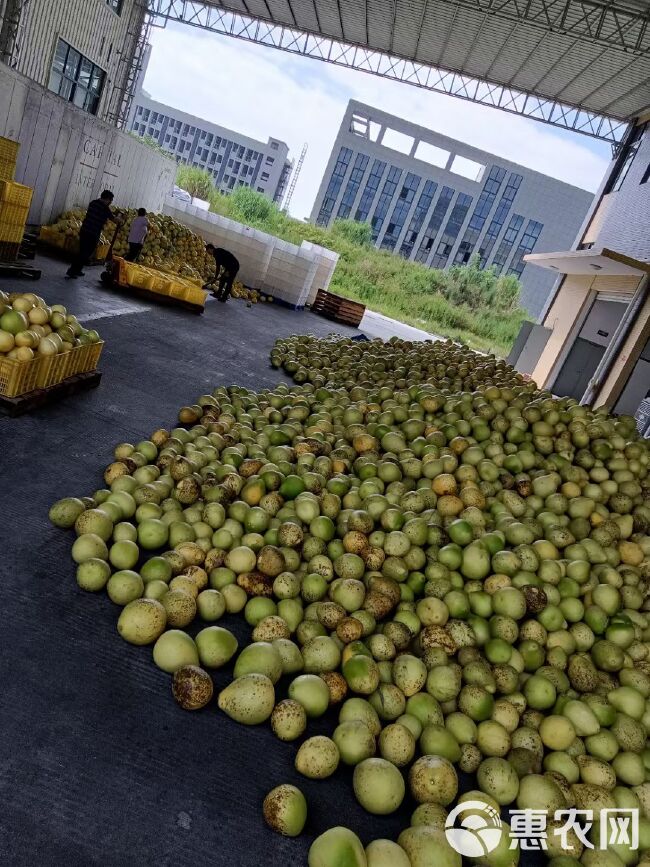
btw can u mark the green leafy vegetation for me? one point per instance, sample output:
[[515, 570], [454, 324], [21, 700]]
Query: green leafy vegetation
[[197, 182], [465, 302], [150, 142]]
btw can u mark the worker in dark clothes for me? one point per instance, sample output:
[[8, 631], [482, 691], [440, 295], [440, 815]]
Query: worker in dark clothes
[[97, 216], [227, 268]]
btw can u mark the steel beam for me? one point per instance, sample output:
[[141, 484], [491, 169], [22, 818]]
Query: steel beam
[[602, 22], [218, 20]]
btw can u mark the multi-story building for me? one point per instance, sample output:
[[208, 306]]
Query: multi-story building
[[438, 201], [83, 52], [233, 159]]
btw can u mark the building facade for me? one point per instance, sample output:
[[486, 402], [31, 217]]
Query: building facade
[[233, 160], [438, 201], [82, 51], [593, 340]]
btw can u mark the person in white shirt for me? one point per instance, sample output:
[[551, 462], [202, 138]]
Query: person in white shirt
[[137, 234]]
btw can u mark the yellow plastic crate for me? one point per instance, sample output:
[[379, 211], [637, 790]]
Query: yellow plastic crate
[[8, 149], [195, 296], [7, 170], [14, 214], [56, 368], [19, 377], [15, 194], [11, 233], [88, 357]]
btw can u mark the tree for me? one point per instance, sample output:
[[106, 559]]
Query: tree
[[249, 206], [197, 182]]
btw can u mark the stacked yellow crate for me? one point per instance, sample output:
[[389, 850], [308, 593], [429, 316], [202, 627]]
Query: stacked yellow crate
[[15, 201], [8, 158]]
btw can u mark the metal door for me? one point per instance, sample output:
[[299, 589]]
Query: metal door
[[577, 370], [588, 348]]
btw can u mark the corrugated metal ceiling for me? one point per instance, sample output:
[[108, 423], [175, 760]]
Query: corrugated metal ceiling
[[593, 54]]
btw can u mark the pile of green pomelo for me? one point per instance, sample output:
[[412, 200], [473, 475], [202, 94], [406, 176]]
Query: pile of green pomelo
[[416, 536]]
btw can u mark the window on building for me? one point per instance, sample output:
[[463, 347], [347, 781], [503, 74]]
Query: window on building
[[156, 133], [646, 175], [145, 114], [209, 139], [383, 203], [260, 189], [240, 153], [352, 187], [417, 219], [115, 5], [480, 214], [75, 78], [274, 146], [192, 130], [203, 135], [498, 219], [370, 191], [400, 211], [213, 157], [249, 155], [454, 223], [219, 158], [525, 246], [265, 176], [240, 183], [237, 167], [154, 117], [505, 247], [178, 126], [269, 161], [139, 110], [231, 183], [333, 186], [435, 221]]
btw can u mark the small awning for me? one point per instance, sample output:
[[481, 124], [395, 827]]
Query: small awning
[[591, 262]]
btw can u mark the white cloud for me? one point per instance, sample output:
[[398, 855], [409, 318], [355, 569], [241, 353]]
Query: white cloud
[[264, 92]]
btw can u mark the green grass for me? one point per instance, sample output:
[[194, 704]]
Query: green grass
[[465, 303]]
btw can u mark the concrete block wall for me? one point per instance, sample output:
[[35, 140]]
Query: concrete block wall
[[69, 156], [291, 273]]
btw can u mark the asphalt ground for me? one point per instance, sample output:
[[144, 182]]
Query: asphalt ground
[[98, 765]]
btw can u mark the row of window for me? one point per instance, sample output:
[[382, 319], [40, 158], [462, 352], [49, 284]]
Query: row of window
[[75, 78], [496, 190]]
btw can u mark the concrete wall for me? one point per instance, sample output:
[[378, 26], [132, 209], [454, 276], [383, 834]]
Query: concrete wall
[[69, 156], [560, 207], [622, 219], [291, 273], [89, 26], [568, 306]]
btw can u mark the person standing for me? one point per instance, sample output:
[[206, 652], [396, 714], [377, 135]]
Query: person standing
[[97, 216], [137, 234], [227, 268]]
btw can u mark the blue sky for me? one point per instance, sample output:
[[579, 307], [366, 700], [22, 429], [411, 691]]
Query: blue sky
[[264, 92]]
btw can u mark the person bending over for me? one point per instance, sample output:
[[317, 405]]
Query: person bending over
[[227, 267]]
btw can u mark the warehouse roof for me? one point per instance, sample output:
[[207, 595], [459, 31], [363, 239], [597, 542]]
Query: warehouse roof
[[591, 54]]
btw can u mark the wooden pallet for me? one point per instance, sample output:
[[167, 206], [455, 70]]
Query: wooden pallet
[[147, 295], [14, 406], [338, 309], [13, 270]]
